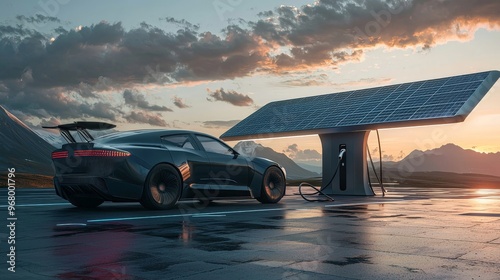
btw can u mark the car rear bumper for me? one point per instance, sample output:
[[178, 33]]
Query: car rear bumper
[[104, 188]]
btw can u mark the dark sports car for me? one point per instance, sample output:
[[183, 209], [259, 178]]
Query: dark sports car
[[157, 168]]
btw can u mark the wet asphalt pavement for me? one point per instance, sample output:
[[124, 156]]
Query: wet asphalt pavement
[[409, 234]]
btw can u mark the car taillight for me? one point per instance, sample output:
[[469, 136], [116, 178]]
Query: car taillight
[[90, 153], [100, 153], [60, 154]]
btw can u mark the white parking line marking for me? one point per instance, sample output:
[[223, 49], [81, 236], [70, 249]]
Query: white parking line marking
[[215, 214], [38, 204], [184, 215]]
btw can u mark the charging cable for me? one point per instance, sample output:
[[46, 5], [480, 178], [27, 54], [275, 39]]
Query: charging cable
[[379, 179], [320, 191], [380, 164], [341, 155]]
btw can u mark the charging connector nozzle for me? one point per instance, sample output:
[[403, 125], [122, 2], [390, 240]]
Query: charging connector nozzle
[[341, 154]]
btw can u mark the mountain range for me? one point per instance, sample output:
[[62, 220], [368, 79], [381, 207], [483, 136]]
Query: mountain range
[[52, 137], [447, 158], [22, 148], [450, 158], [29, 151], [293, 170]]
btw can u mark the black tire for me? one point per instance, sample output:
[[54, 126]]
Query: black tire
[[273, 186], [85, 202], [162, 189]]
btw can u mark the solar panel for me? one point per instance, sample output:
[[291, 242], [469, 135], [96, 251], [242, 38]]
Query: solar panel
[[436, 101]]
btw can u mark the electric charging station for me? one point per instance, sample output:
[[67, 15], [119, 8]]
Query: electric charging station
[[344, 120], [352, 173]]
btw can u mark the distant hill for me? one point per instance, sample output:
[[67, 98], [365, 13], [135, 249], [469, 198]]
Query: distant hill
[[450, 158], [446, 180], [22, 148], [53, 139], [293, 171], [311, 167]]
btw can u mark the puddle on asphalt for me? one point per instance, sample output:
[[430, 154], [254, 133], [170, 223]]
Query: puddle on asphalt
[[106, 263], [158, 266], [299, 214], [345, 216], [350, 260], [104, 271], [134, 256], [204, 236], [351, 212], [229, 245], [98, 249], [246, 226], [387, 216], [66, 230]]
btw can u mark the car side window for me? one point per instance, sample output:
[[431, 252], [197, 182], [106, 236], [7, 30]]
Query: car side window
[[181, 141], [214, 146]]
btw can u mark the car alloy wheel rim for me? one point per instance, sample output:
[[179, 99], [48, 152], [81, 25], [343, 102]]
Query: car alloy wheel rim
[[274, 184], [164, 187], [271, 185]]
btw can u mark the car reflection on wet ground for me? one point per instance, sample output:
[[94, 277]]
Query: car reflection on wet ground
[[410, 233]]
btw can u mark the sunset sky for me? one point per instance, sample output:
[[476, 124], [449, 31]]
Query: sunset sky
[[204, 65]]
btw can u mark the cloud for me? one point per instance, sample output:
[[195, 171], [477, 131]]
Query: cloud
[[182, 23], [149, 118], [386, 157], [55, 102], [86, 91], [324, 80], [331, 32], [136, 100], [326, 33], [50, 122], [129, 58], [401, 155], [365, 82], [220, 124], [297, 154], [38, 18], [58, 74], [179, 102], [230, 96], [308, 80], [100, 110], [180, 124]]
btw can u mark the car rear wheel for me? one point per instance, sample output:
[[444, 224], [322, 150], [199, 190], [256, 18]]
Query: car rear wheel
[[85, 202], [273, 186], [163, 188]]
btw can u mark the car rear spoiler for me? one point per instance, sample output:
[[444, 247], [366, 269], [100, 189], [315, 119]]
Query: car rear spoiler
[[81, 128]]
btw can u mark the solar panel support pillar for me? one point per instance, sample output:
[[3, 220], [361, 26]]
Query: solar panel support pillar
[[355, 170]]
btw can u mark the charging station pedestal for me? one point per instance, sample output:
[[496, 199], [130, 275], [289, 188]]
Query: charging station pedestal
[[352, 174]]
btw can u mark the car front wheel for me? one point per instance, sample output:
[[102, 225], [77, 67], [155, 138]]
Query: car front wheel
[[163, 188], [273, 185]]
